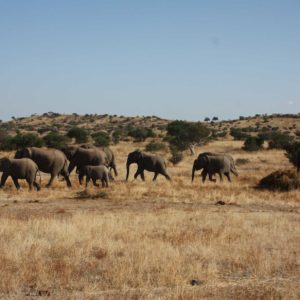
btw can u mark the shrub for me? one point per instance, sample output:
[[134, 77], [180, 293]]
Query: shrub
[[293, 154], [283, 180], [181, 134], [279, 140], [242, 161], [140, 134], [101, 139], [238, 134], [176, 157], [55, 140], [80, 134], [253, 143], [20, 141], [155, 146]]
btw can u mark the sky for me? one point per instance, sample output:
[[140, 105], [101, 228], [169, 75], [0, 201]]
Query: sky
[[175, 59]]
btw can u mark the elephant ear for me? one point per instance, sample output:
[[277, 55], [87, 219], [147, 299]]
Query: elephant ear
[[4, 163]]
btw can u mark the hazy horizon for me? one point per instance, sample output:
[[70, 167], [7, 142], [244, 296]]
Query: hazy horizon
[[173, 59]]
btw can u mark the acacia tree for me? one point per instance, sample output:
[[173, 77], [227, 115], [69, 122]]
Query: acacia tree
[[183, 135]]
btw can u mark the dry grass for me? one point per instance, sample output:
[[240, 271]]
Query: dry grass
[[149, 240]]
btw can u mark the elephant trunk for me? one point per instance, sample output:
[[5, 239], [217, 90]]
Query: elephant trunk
[[127, 174]]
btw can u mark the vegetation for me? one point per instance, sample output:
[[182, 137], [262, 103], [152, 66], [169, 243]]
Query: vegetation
[[140, 134], [55, 140], [253, 143], [101, 138], [21, 140], [293, 154], [181, 134], [80, 134], [238, 134], [155, 146], [279, 140]]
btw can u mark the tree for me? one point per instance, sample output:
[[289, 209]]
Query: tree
[[206, 119], [293, 154], [80, 134], [182, 134], [279, 140], [101, 139], [20, 141], [55, 140], [215, 118], [140, 134], [253, 143]]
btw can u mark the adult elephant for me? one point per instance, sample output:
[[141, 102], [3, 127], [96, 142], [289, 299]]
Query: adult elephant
[[51, 161], [148, 162], [109, 154], [213, 163], [80, 157]]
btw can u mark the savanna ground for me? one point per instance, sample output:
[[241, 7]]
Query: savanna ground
[[148, 240]]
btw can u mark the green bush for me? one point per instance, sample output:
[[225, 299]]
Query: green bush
[[238, 134], [180, 134], [279, 140], [55, 140], [293, 154], [140, 134], [101, 139], [253, 143], [155, 146], [176, 157], [20, 141], [80, 134]]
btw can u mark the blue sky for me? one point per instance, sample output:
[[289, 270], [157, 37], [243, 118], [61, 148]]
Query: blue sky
[[174, 59]]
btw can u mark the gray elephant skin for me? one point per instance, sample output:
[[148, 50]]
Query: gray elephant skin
[[95, 173], [213, 163], [51, 161], [148, 162], [80, 157], [23, 168], [111, 160]]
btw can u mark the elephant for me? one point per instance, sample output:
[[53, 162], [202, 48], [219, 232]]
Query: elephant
[[80, 157], [109, 154], [213, 163], [23, 168], [95, 173], [148, 162], [51, 161]]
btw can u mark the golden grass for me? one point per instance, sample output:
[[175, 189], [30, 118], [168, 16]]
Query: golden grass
[[148, 240]]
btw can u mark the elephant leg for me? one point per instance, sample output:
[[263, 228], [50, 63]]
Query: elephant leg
[[210, 176], [167, 176], [203, 174], [228, 176], [221, 177], [80, 178], [51, 180], [142, 175], [30, 183], [103, 183], [155, 176], [67, 179], [87, 180], [3, 179], [71, 167], [95, 182], [16, 182]]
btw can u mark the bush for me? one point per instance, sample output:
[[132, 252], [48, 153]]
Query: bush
[[140, 134], [101, 139], [155, 146], [253, 143], [176, 157], [80, 134], [279, 140], [55, 140], [242, 161], [293, 154], [20, 141], [238, 134], [181, 134], [283, 180]]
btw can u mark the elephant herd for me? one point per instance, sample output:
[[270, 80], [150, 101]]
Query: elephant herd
[[98, 163]]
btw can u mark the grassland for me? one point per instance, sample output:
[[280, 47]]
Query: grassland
[[148, 240]]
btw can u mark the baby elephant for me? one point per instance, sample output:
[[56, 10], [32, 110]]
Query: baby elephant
[[95, 173], [23, 168]]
